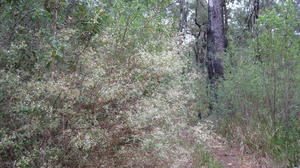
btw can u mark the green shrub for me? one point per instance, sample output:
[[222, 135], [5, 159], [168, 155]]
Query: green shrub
[[259, 96]]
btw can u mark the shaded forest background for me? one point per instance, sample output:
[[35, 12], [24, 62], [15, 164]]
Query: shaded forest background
[[84, 83]]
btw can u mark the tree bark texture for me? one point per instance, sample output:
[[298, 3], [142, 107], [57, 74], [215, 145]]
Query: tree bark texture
[[215, 40], [215, 48], [200, 47], [183, 15], [253, 15]]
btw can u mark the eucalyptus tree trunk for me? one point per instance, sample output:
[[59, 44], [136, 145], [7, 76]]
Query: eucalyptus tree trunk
[[200, 36], [183, 15], [251, 21], [253, 15], [215, 46]]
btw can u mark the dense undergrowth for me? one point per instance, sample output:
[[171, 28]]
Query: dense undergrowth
[[258, 102], [107, 113], [74, 119], [110, 85], [88, 84], [71, 80]]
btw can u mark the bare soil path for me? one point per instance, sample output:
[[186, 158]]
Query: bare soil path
[[229, 155]]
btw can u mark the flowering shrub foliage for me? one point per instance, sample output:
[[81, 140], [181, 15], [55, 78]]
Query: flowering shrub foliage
[[109, 112]]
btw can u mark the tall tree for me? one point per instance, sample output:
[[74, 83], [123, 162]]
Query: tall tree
[[215, 45], [200, 32], [251, 21], [183, 15]]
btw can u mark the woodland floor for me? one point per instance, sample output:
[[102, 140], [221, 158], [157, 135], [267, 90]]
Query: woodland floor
[[231, 155], [225, 154]]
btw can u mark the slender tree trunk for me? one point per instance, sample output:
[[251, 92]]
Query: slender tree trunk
[[183, 15], [226, 26], [255, 17], [251, 20], [54, 17], [215, 47]]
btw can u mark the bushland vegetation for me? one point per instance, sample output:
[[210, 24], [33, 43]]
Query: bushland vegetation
[[130, 83]]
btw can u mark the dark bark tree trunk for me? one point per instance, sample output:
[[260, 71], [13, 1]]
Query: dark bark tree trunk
[[226, 25], [183, 15], [215, 47], [251, 21], [200, 46]]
